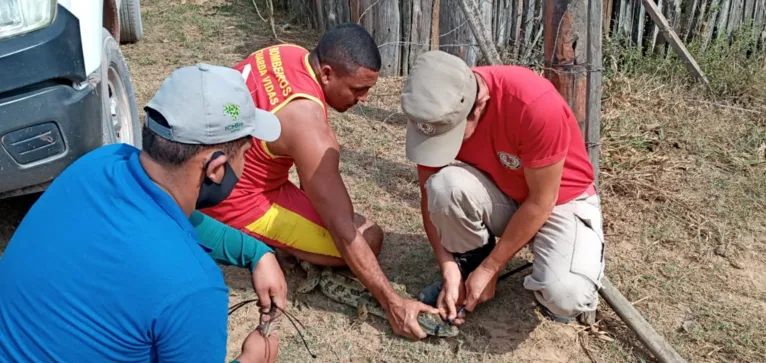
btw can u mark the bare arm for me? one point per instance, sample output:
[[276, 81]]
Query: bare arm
[[543, 192], [546, 141], [311, 142]]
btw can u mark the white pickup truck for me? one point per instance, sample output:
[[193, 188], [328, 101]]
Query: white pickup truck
[[64, 86]]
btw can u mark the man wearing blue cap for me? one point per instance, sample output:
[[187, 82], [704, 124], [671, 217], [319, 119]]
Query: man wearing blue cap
[[107, 265]]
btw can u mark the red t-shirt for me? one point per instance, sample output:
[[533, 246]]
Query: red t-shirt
[[527, 124]]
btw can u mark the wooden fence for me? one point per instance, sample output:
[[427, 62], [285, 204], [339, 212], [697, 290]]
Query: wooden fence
[[404, 29]]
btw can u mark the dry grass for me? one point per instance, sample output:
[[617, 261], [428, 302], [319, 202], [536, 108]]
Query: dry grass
[[683, 183], [683, 187]]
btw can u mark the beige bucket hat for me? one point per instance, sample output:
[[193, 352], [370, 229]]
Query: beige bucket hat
[[438, 94]]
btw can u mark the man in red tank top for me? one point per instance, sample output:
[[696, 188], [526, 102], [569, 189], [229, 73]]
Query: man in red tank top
[[522, 174], [316, 222]]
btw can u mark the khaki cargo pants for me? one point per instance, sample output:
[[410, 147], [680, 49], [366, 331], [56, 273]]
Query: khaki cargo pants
[[465, 205]]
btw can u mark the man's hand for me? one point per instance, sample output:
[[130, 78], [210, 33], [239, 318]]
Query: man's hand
[[403, 317], [269, 284], [256, 348], [480, 286], [453, 292]]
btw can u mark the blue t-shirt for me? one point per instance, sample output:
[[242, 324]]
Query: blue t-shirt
[[106, 267]]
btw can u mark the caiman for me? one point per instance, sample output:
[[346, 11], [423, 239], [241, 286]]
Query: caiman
[[350, 291]]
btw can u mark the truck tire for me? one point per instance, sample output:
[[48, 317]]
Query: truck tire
[[131, 27], [119, 120]]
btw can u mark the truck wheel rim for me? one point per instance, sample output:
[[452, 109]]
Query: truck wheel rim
[[118, 107]]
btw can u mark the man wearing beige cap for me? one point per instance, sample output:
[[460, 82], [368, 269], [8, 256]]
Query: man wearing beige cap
[[522, 174]]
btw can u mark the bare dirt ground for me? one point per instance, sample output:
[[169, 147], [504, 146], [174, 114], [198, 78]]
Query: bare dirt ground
[[683, 183]]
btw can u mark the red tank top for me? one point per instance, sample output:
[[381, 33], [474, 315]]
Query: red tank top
[[275, 76]]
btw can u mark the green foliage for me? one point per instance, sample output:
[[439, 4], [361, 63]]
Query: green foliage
[[735, 67]]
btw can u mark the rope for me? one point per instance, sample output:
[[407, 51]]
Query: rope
[[271, 314]]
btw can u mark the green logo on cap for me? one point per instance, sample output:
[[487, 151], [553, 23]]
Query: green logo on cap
[[231, 110]]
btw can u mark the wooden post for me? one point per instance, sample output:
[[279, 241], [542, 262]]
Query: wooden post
[[659, 347], [593, 96], [566, 42]]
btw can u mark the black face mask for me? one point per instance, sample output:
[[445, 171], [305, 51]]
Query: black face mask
[[212, 193]]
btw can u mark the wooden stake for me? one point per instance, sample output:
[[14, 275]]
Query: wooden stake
[[723, 19], [435, 25], [407, 16], [675, 42], [593, 96], [518, 14], [529, 23], [480, 31], [656, 30], [707, 36], [633, 319], [565, 57], [386, 32], [421, 29]]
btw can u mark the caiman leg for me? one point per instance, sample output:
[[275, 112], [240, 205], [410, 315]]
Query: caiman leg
[[400, 289], [361, 306], [313, 274], [349, 291], [432, 324]]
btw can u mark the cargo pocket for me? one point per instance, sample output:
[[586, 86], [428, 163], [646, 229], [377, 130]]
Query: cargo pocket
[[588, 253]]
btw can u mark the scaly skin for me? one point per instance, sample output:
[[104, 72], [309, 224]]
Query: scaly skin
[[313, 275], [350, 291]]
